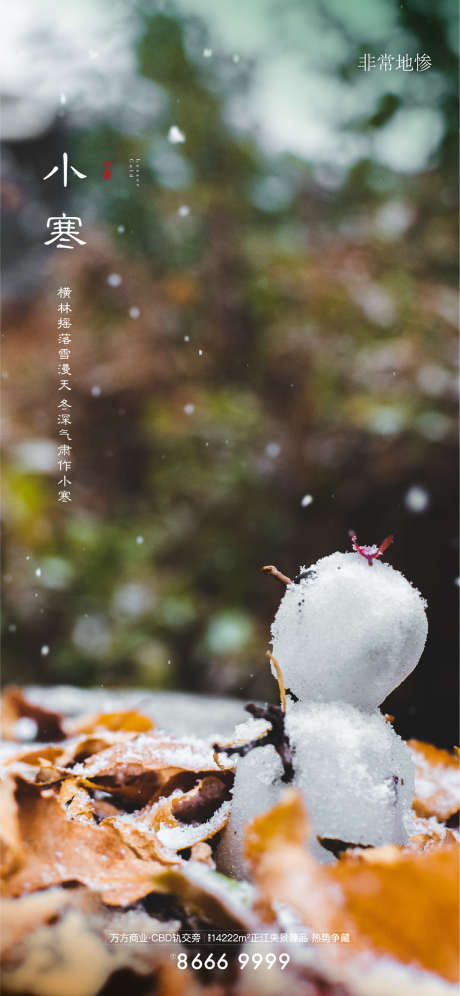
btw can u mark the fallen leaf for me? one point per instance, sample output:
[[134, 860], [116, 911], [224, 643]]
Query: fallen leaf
[[60, 849], [15, 706], [406, 905], [20, 916], [76, 802], [64, 941], [284, 871], [148, 766], [198, 805], [11, 855], [129, 720], [49, 764], [437, 780], [394, 902], [430, 833], [159, 829], [208, 894]]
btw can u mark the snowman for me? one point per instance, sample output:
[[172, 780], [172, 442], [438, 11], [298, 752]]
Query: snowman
[[348, 631]]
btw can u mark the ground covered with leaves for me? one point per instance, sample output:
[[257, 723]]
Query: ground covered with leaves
[[108, 839]]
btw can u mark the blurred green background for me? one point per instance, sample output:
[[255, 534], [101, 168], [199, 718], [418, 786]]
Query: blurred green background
[[267, 316]]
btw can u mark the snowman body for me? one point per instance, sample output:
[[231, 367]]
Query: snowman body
[[345, 635]]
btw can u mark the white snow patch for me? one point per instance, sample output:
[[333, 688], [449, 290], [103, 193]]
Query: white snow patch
[[186, 835]]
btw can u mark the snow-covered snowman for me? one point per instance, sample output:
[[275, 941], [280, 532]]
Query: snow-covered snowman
[[348, 631]]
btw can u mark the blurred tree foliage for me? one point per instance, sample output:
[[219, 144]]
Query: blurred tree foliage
[[289, 336]]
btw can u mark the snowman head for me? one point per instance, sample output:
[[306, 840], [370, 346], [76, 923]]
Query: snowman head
[[349, 629]]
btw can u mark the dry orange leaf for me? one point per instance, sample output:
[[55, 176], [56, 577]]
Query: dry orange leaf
[[11, 855], [407, 906], [57, 849], [403, 904], [437, 780], [129, 720], [284, 870], [49, 763]]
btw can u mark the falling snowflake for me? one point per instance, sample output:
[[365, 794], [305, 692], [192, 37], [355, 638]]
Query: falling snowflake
[[416, 498], [175, 135]]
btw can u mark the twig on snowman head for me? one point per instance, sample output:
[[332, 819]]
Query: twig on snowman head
[[271, 569], [369, 552]]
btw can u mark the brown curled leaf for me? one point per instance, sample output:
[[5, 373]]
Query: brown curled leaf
[[148, 766], [198, 805], [158, 830]]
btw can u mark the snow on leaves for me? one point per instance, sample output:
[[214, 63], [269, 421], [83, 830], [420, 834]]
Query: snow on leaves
[[108, 806], [437, 781], [110, 815]]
